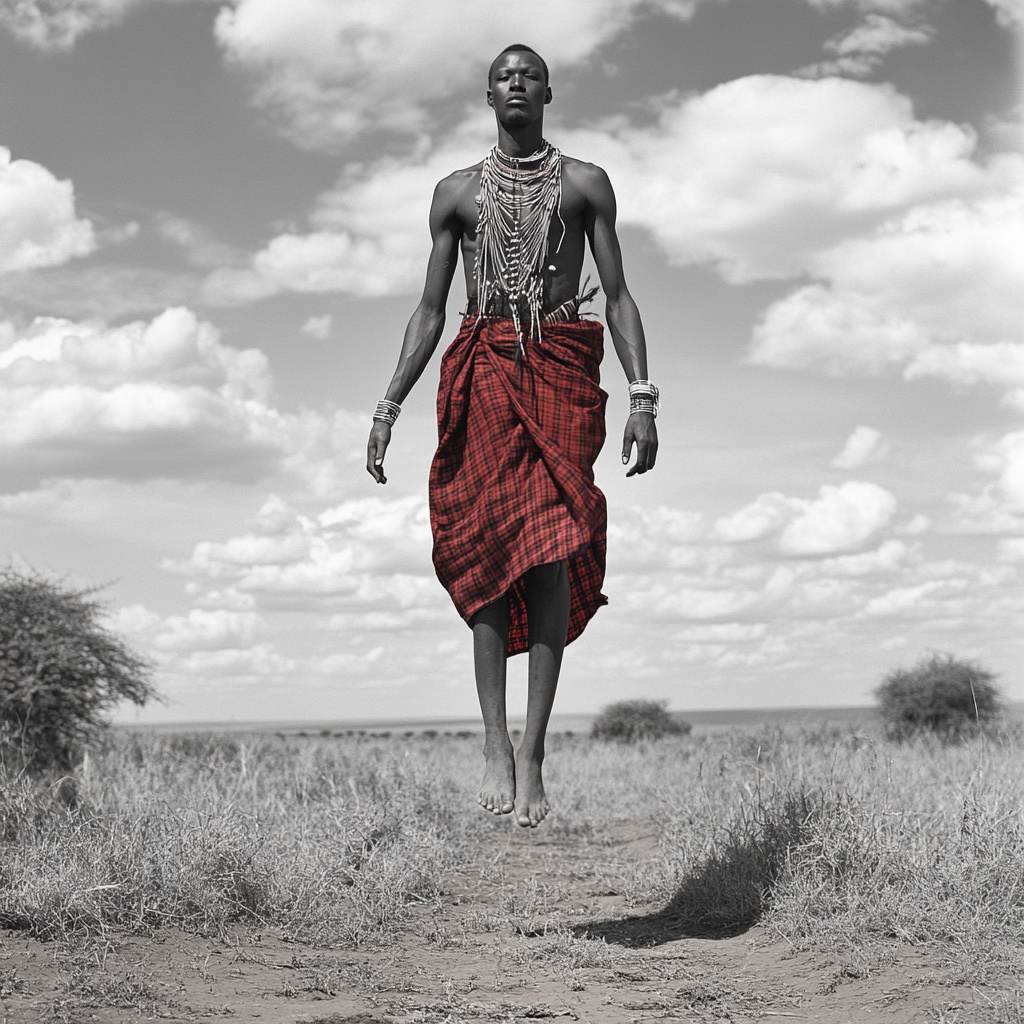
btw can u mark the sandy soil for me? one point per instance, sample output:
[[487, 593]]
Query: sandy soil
[[485, 953]]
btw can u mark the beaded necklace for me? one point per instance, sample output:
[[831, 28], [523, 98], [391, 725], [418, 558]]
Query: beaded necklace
[[518, 197]]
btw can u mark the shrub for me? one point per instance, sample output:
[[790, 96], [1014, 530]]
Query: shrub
[[61, 671], [632, 720], [951, 697]]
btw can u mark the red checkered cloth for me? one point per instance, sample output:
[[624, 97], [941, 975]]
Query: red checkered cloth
[[512, 482]]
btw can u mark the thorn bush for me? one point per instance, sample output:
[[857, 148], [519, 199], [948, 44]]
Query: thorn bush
[[61, 671], [632, 720], [950, 697]]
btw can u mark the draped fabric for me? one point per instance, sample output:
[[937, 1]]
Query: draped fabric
[[512, 481]]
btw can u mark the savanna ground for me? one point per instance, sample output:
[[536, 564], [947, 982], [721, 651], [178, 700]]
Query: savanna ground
[[809, 872]]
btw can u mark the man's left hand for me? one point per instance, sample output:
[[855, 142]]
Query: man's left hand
[[640, 430]]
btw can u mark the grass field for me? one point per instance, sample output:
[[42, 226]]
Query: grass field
[[812, 872]]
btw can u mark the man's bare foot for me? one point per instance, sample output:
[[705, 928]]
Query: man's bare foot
[[531, 804], [498, 790]]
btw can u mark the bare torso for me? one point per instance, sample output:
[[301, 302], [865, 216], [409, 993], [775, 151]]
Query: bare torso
[[565, 254]]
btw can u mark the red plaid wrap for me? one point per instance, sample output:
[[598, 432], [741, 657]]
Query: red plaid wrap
[[512, 482]]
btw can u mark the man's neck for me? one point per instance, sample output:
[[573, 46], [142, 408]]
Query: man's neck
[[520, 141]]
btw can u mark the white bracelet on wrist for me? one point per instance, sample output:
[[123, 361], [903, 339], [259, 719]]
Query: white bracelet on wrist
[[386, 412], [643, 397]]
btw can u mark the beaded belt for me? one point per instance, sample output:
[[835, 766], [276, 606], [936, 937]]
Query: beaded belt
[[567, 313]]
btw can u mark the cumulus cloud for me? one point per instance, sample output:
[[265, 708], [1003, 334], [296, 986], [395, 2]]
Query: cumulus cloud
[[764, 516], [331, 70], [208, 630], [299, 597], [57, 24], [840, 519], [145, 400], [773, 604], [859, 51], [1006, 458], [348, 594], [364, 556], [924, 291], [878, 34], [777, 170], [1009, 12], [318, 327], [369, 232], [199, 247], [1011, 549], [108, 291], [38, 225], [861, 446]]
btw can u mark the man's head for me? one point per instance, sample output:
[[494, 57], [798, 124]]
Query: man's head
[[518, 85], [519, 48]]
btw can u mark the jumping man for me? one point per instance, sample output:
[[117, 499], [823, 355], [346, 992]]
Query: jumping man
[[519, 526]]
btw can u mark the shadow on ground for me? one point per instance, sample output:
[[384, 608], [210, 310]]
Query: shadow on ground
[[727, 894]]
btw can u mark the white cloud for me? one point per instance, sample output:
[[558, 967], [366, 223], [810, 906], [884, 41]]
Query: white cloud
[[1009, 12], [331, 70], [776, 170], [107, 291], [894, 8], [887, 557], [196, 243], [861, 446], [133, 619], [878, 34], [208, 630], [245, 663], [910, 601], [1011, 549], [763, 517], [57, 24], [147, 400], [1006, 457], [367, 555], [859, 51], [38, 226], [369, 234], [936, 290], [918, 525], [842, 518], [318, 327]]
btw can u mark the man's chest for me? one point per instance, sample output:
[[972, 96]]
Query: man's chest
[[570, 210]]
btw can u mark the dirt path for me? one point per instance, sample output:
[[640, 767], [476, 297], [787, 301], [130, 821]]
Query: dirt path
[[506, 943]]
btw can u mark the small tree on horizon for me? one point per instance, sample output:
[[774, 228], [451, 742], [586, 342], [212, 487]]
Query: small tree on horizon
[[61, 670], [948, 696], [632, 720]]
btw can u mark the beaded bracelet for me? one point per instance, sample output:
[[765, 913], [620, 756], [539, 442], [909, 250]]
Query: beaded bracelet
[[643, 397], [387, 412]]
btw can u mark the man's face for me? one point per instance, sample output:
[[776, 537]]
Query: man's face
[[518, 91]]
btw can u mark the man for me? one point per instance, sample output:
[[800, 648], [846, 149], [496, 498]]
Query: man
[[519, 525]]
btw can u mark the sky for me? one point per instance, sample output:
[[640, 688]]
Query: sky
[[212, 234]]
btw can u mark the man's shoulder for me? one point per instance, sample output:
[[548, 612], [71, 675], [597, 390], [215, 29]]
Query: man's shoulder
[[584, 174], [453, 185]]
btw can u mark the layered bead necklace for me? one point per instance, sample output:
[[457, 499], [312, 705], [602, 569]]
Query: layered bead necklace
[[518, 197]]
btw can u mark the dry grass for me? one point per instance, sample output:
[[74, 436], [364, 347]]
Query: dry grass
[[835, 840], [329, 840]]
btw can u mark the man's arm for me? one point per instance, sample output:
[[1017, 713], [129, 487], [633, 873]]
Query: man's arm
[[623, 317], [427, 322]]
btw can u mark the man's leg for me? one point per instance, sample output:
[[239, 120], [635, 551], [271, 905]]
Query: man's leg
[[547, 610], [490, 646]]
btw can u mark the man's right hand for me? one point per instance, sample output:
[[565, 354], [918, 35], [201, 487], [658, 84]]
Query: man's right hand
[[380, 438]]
